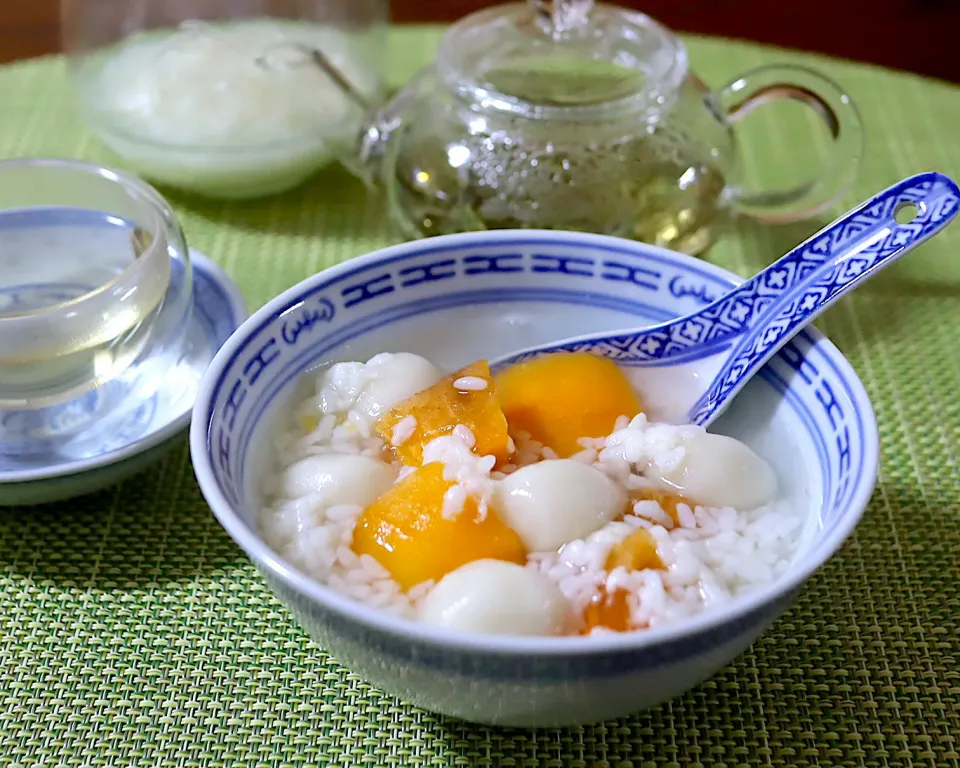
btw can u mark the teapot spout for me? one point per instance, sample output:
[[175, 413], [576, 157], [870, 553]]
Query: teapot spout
[[363, 157], [382, 125], [366, 159], [379, 127]]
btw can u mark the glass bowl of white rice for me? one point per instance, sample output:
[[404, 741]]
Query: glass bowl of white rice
[[541, 546], [225, 99]]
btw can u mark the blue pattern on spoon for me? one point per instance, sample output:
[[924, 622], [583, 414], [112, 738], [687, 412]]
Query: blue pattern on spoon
[[728, 341]]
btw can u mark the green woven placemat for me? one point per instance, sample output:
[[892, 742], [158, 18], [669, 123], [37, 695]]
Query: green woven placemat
[[133, 632]]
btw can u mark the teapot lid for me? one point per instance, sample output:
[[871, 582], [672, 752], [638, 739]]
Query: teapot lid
[[546, 54]]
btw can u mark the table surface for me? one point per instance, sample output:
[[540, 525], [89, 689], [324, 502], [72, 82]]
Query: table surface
[[135, 633]]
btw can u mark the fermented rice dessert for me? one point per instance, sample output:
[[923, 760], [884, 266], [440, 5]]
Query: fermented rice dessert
[[540, 501]]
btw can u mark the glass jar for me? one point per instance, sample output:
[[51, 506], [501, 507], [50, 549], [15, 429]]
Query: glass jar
[[223, 97]]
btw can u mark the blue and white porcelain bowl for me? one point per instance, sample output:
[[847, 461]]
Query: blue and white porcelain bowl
[[458, 298]]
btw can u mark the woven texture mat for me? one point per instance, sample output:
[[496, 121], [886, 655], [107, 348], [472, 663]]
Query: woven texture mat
[[133, 631]]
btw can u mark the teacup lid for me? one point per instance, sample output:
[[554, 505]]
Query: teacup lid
[[563, 54]]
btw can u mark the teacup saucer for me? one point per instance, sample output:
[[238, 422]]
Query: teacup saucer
[[158, 423]]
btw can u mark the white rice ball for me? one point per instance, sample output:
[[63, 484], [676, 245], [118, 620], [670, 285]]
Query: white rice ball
[[391, 379], [499, 598], [717, 471], [338, 479], [556, 501]]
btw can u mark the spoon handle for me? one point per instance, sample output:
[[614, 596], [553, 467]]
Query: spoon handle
[[765, 312]]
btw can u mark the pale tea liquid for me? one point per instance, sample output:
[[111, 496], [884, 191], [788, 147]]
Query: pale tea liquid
[[51, 257], [647, 183]]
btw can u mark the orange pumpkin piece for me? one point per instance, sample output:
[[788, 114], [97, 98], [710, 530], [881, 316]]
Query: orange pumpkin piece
[[562, 397], [636, 552], [610, 611], [467, 397], [668, 501], [405, 531]]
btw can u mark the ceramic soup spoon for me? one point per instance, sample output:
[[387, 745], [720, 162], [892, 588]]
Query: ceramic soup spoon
[[706, 357]]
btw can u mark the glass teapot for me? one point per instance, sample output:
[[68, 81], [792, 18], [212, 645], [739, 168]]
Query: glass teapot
[[566, 115]]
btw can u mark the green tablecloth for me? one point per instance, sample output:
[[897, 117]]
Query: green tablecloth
[[135, 633]]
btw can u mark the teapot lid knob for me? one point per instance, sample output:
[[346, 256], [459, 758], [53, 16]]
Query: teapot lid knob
[[559, 16]]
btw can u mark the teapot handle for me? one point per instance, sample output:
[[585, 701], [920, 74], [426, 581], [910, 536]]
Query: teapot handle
[[832, 104]]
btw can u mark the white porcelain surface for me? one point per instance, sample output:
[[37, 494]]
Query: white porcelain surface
[[454, 299]]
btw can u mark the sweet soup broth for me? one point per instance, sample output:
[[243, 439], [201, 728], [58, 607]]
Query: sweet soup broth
[[540, 501]]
